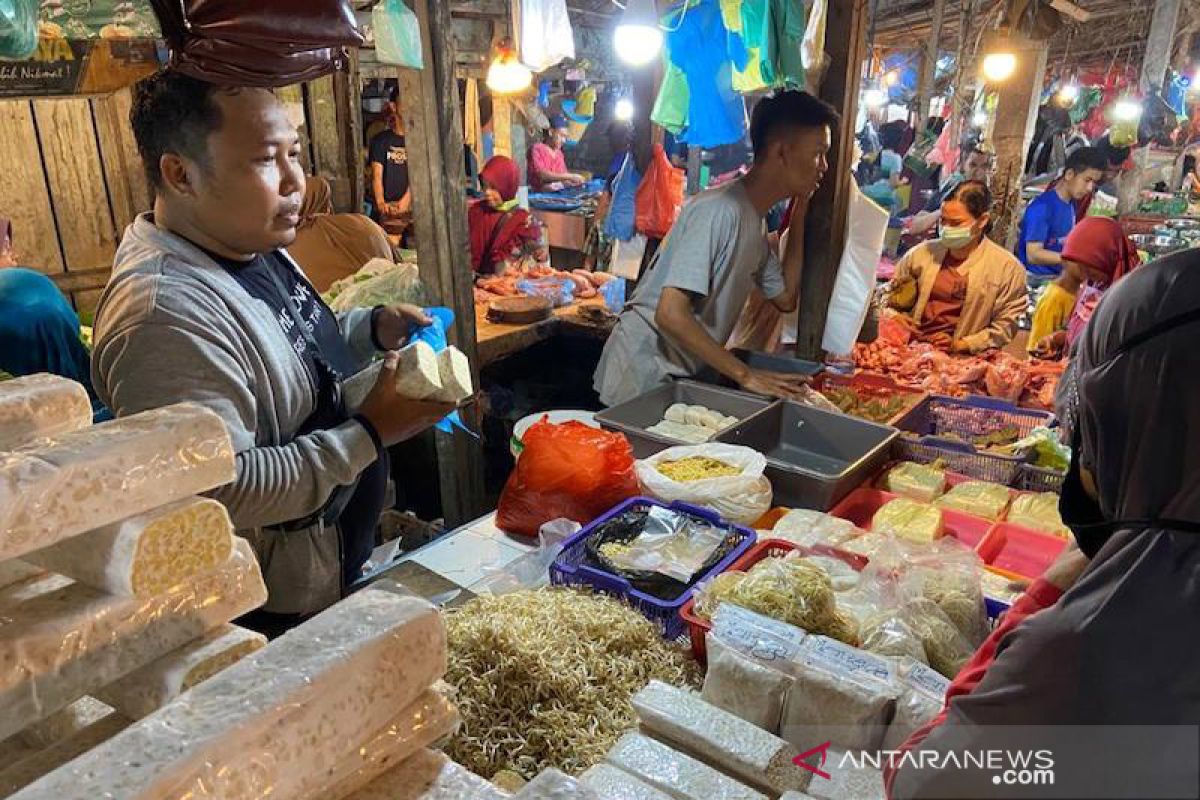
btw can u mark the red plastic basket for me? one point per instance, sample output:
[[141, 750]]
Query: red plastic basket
[[872, 385], [766, 548], [860, 506], [1017, 552]]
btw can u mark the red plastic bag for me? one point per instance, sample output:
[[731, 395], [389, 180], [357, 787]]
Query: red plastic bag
[[659, 196], [568, 470]]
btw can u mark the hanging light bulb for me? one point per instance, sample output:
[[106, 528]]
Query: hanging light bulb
[[891, 77], [1126, 110], [999, 67], [979, 119], [638, 38], [624, 109], [1068, 94], [506, 74], [874, 97]]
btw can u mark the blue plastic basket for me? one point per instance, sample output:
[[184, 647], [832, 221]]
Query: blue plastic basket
[[570, 567], [924, 435]]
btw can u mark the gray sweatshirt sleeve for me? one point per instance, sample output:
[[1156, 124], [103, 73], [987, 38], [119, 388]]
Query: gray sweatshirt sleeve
[[274, 484], [355, 325]]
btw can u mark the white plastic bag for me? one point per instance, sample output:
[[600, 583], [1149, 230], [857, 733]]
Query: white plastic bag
[[397, 34], [739, 498], [543, 32], [866, 226]]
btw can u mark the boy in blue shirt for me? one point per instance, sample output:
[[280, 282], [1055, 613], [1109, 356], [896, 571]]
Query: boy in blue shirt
[[1051, 216]]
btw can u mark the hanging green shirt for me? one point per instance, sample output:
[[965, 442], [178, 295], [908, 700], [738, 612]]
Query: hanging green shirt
[[775, 29]]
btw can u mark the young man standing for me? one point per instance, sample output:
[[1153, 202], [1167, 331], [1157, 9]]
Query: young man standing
[[547, 163], [388, 157], [687, 305], [204, 305], [1049, 218]]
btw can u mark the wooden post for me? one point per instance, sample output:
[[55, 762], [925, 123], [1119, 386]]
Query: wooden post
[[433, 134], [693, 169], [347, 90], [825, 227], [929, 59], [1012, 126]]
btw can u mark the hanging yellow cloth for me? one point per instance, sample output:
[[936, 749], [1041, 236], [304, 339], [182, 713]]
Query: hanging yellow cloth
[[472, 129]]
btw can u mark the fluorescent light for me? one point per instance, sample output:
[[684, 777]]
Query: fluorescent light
[[999, 67], [638, 39], [624, 109]]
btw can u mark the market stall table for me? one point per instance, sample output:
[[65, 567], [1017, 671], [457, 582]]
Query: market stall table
[[496, 341]]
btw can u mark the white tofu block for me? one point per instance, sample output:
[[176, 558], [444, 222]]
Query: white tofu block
[[46, 761], [423, 723], [60, 640], [454, 371], [144, 691], [274, 719], [678, 775], [40, 405], [147, 554], [428, 775], [417, 375], [723, 741], [615, 784], [109, 472], [64, 723], [555, 785]]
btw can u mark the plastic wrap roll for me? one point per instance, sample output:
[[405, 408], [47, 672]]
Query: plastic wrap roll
[[41, 405], [144, 691], [61, 487], [60, 640], [271, 723], [147, 554]]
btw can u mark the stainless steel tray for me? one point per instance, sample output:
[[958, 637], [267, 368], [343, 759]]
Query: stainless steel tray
[[814, 457], [634, 417]]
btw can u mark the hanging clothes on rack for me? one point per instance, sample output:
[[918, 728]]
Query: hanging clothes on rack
[[716, 113], [746, 61]]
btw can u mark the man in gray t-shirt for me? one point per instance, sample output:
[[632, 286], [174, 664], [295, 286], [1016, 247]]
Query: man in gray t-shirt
[[689, 300]]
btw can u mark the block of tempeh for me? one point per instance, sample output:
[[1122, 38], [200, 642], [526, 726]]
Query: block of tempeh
[[45, 761], [13, 751], [146, 554], [60, 640], [65, 722], [34, 406], [551, 784], [720, 739], [673, 773], [108, 472], [353, 763], [616, 784], [352, 667], [144, 691], [16, 571], [427, 775]]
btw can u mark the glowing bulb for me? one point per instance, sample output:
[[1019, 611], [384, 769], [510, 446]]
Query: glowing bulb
[[637, 45], [507, 75], [1127, 110], [1069, 94], [624, 109], [891, 77], [874, 97], [999, 67], [980, 119]]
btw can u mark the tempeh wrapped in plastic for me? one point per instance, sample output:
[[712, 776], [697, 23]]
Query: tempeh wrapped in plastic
[[60, 640], [275, 720], [58, 488], [428, 775], [39, 405]]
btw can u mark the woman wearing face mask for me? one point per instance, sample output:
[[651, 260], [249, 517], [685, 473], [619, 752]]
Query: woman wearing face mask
[[964, 292], [1105, 639], [1096, 255]]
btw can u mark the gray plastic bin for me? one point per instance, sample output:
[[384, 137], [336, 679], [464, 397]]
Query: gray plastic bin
[[634, 417], [814, 457]]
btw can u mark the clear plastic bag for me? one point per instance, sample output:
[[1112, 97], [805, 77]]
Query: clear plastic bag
[[950, 575], [808, 528], [980, 498], [740, 498], [397, 34], [946, 649], [18, 29], [922, 697], [671, 544], [923, 482], [532, 569], [744, 686]]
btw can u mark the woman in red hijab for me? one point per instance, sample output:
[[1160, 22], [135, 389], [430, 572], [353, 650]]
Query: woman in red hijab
[[498, 226], [1102, 254]]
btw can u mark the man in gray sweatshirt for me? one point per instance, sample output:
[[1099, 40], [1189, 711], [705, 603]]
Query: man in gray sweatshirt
[[205, 305]]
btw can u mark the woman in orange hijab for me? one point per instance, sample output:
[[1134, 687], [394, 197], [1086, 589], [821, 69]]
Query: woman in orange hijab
[[498, 226], [331, 246]]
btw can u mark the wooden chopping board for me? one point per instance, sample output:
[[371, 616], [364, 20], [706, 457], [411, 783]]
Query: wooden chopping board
[[519, 310]]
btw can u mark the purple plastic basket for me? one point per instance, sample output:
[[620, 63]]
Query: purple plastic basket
[[924, 435], [570, 569]]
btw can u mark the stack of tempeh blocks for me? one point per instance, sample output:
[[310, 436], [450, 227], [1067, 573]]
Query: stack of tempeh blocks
[[117, 581]]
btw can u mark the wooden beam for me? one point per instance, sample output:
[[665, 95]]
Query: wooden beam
[[347, 91], [929, 59], [128, 190], [693, 169], [433, 134], [1013, 123], [825, 227]]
